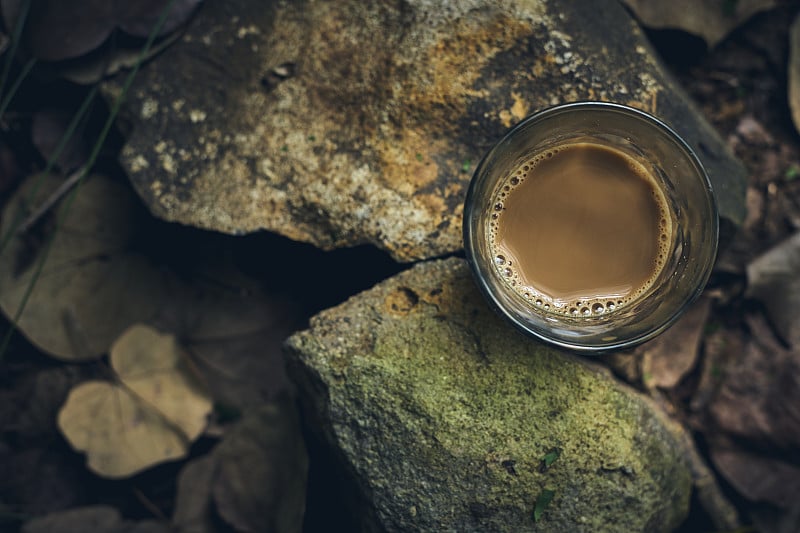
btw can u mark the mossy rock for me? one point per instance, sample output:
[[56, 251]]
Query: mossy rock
[[444, 418]]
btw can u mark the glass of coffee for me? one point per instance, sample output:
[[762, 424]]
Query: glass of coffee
[[591, 225]]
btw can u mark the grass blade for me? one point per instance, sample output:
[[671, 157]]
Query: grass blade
[[89, 164]]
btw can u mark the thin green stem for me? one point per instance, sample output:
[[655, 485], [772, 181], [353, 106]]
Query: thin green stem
[[90, 163], [26, 69], [6, 237]]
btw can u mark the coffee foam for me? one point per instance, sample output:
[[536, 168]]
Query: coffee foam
[[504, 261]]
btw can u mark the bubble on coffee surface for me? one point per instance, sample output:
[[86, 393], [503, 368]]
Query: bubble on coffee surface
[[602, 304]]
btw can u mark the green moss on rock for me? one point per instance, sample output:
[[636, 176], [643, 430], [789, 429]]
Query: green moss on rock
[[442, 414]]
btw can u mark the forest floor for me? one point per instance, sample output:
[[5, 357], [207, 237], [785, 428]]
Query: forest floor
[[741, 88]]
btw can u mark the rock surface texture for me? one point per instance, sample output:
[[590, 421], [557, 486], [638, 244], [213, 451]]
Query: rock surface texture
[[348, 122], [449, 420]]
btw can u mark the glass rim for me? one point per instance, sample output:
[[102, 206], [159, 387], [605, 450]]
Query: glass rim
[[482, 272]]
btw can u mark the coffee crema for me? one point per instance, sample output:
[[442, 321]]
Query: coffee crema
[[580, 229]]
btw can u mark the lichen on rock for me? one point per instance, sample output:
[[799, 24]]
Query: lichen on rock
[[442, 416], [349, 122]]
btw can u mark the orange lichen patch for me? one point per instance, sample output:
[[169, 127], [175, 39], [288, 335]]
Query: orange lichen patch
[[517, 111], [432, 202], [454, 64], [406, 161], [648, 101]]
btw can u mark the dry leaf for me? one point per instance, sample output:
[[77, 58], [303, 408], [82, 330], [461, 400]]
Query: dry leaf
[[67, 29], [671, 355], [153, 366], [710, 19], [773, 279], [794, 71], [758, 477], [256, 476], [233, 332], [759, 397], [92, 285], [152, 416], [192, 512], [94, 519]]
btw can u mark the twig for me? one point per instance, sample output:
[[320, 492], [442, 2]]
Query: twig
[[52, 200], [148, 504]]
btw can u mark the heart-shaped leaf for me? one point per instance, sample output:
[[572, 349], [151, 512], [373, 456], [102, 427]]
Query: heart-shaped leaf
[[151, 416]]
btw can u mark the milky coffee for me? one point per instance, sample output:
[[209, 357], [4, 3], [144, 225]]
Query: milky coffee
[[581, 229]]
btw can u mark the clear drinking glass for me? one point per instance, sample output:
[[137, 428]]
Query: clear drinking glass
[[683, 182]]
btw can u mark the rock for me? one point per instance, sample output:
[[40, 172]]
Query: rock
[[349, 122], [446, 419]]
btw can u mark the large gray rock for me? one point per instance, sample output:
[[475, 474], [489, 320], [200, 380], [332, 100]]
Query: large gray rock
[[347, 122], [441, 416]]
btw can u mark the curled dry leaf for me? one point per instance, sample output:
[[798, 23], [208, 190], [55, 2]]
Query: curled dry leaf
[[773, 279], [92, 285], [256, 476], [95, 518], [151, 416], [710, 19], [794, 71]]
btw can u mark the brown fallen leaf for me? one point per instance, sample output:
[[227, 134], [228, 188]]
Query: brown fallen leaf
[[68, 29], [94, 519], [233, 332], [92, 285], [758, 399], [193, 510], [670, 356], [96, 283], [794, 71], [151, 416], [255, 479], [773, 279], [758, 477], [710, 19], [262, 467]]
